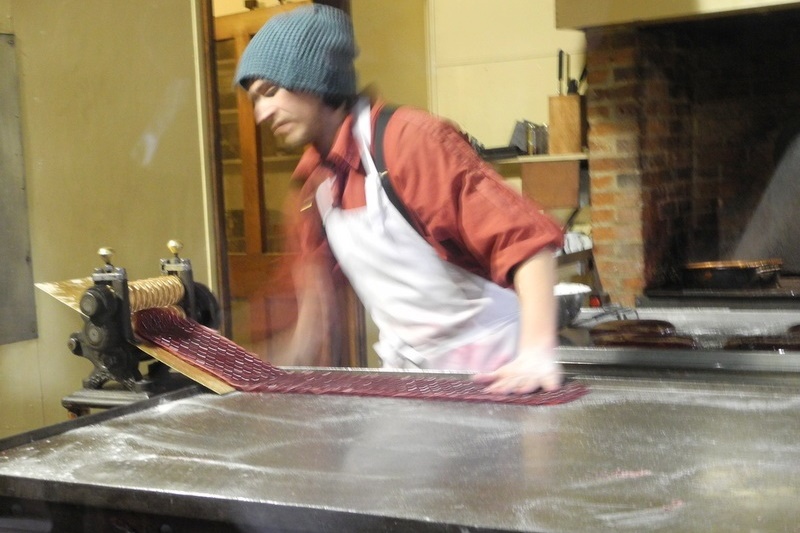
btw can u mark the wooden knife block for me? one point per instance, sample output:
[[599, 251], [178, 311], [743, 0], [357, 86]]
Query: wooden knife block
[[567, 127]]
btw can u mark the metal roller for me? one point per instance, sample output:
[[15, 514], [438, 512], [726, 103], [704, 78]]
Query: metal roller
[[108, 305], [162, 291]]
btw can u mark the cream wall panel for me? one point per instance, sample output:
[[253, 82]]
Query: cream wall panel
[[476, 31], [495, 64], [393, 58], [5, 16], [112, 147], [486, 100]]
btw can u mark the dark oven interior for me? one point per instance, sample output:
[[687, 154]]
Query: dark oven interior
[[697, 124]]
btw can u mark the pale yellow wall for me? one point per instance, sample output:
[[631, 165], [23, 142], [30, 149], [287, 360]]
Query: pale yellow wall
[[113, 156], [483, 65], [393, 58], [5, 16], [494, 63]]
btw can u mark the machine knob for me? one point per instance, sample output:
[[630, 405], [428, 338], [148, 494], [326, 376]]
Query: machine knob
[[98, 301], [98, 337], [106, 253], [175, 247], [74, 344]]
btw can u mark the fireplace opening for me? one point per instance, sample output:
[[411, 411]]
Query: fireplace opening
[[693, 130]]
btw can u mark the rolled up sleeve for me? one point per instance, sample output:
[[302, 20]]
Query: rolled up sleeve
[[466, 211]]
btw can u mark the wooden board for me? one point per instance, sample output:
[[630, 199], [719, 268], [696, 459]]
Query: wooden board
[[69, 292], [553, 184], [567, 128]]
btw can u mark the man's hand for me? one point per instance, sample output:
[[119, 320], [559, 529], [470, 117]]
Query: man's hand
[[529, 372], [535, 366]]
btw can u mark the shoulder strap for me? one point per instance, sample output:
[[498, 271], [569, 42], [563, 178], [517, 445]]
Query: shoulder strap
[[377, 147], [380, 128]]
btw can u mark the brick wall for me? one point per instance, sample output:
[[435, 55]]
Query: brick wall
[[683, 121]]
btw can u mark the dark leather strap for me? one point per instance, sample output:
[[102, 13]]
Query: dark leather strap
[[380, 129], [377, 148]]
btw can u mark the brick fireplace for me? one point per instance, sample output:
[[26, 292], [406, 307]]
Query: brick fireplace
[[686, 125]]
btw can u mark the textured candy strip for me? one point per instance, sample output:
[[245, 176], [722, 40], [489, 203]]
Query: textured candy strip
[[410, 386], [204, 348], [209, 351]]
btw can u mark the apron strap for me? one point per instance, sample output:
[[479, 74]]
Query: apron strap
[[380, 163], [380, 129]]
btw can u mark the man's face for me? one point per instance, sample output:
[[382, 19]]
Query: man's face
[[295, 117]]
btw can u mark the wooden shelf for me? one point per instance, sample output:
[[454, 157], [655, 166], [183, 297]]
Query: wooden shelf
[[541, 158]]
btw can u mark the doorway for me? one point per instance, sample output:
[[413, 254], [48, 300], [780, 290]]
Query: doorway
[[254, 185]]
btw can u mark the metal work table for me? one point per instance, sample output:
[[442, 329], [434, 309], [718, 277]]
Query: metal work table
[[713, 451]]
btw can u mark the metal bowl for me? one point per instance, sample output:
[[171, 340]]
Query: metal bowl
[[570, 298]]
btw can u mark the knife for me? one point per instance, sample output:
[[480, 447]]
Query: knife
[[582, 79], [560, 70]]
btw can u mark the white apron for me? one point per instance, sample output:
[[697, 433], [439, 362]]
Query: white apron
[[430, 313]]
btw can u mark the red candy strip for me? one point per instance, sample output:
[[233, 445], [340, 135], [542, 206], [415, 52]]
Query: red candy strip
[[244, 371]]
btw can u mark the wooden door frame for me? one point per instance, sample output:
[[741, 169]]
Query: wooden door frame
[[215, 159]]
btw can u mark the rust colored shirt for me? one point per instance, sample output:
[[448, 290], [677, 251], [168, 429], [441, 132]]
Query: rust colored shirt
[[456, 200]]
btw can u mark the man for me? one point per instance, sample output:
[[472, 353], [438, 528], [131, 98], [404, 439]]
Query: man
[[437, 282]]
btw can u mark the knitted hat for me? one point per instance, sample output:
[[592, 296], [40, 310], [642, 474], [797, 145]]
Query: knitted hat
[[310, 48]]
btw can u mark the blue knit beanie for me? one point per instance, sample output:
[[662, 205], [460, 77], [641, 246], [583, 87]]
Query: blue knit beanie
[[308, 49]]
